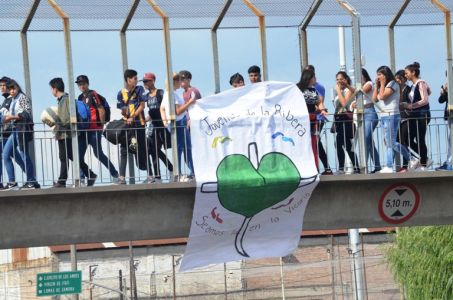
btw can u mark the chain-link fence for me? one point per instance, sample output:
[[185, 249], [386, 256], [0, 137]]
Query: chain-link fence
[[322, 270]]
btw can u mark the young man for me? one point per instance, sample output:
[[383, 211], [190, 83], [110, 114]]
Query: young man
[[94, 134], [63, 135], [184, 144], [131, 101], [236, 80], [157, 136], [254, 74], [190, 92]]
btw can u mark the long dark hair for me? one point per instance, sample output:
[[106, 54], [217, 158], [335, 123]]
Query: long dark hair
[[414, 67], [305, 78], [366, 75], [345, 76], [385, 70]]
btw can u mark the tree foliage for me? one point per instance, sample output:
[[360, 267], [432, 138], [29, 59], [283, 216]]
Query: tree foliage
[[421, 260]]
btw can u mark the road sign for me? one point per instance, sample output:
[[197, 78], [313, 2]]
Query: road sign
[[59, 283], [398, 203]]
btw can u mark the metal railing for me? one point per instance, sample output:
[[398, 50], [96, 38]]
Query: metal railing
[[150, 151]]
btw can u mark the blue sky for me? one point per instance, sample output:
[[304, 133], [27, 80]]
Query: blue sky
[[97, 54]]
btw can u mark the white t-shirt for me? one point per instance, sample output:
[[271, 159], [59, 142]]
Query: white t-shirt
[[166, 105], [390, 106]]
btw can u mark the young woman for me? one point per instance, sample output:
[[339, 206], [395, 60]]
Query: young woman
[[371, 121], [418, 109], [387, 92], [403, 132], [344, 126], [22, 135], [314, 105]]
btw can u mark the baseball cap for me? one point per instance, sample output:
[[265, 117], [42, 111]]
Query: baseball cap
[[82, 78], [149, 76]]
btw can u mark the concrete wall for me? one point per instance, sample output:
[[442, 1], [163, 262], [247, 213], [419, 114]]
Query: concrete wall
[[156, 211]]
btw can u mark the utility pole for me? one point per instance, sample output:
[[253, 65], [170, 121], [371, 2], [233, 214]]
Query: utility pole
[[74, 266], [132, 273], [120, 276]]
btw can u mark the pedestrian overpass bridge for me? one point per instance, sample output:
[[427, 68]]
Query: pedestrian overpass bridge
[[159, 211]]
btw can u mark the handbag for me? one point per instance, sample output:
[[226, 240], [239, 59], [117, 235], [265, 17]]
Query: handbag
[[115, 132]]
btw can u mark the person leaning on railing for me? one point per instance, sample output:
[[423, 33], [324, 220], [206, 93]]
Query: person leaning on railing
[[63, 135], [344, 126], [312, 100], [6, 130], [371, 120], [419, 113], [403, 132], [443, 98], [21, 118], [387, 93]]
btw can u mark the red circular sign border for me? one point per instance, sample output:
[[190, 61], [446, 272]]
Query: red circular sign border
[[381, 202]]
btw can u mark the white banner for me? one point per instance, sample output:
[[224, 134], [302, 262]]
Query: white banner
[[255, 173]]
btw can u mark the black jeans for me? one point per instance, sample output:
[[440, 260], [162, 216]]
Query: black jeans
[[321, 152], [345, 133], [403, 138], [65, 153], [417, 135], [140, 152], [155, 143]]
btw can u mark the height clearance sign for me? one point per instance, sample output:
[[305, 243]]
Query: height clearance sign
[[255, 173]]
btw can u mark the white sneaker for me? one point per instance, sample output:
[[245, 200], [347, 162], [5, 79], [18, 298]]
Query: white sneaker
[[184, 178], [414, 163], [420, 169], [429, 163], [340, 172], [386, 170]]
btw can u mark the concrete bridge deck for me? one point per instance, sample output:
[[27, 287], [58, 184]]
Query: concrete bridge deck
[[158, 211]]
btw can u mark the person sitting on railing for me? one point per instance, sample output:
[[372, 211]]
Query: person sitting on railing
[[184, 144], [21, 118], [63, 135], [443, 98], [93, 135], [6, 130], [131, 102], [403, 132], [344, 126], [321, 120], [157, 136], [419, 113], [387, 92]]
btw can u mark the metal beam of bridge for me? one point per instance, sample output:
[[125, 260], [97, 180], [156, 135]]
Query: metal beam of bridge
[[142, 212]]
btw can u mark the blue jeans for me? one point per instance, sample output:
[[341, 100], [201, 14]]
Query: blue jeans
[[390, 125], [371, 122], [93, 138], [184, 145], [21, 156]]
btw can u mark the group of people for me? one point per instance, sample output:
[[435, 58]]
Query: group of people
[[399, 102]]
